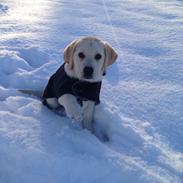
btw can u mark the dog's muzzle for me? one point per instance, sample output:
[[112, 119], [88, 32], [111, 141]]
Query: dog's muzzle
[[88, 72]]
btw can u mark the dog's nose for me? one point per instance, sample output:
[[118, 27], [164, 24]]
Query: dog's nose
[[88, 71]]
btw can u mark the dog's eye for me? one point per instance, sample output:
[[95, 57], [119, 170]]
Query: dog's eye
[[81, 55], [98, 56]]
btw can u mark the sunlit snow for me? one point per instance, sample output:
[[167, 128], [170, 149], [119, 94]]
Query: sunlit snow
[[142, 93]]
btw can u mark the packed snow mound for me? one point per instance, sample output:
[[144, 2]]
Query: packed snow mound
[[38, 137], [23, 65], [141, 98], [34, 56]]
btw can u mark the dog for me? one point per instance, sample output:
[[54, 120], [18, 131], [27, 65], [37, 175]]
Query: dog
[[77, 83]]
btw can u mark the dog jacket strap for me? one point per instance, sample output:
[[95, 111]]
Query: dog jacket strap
[[87, 91]]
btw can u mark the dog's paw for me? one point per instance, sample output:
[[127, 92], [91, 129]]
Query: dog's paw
[[76, 116], [72, 108], [75, 113]]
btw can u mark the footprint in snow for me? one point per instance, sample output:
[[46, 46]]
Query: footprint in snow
[[34, 56], [3, 8]]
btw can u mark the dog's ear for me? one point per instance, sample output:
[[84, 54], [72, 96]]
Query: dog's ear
[[110, 54], [69, 52]]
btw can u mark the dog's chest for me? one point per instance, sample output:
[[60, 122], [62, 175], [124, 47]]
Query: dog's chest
[[60, 83]]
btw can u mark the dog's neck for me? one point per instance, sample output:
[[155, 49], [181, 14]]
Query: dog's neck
[[69, 71]]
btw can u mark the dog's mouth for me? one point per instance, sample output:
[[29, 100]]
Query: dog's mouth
[[87, 77]]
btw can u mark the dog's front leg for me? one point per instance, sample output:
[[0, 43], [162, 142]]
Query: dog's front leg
[[88, 110], [72, 107]]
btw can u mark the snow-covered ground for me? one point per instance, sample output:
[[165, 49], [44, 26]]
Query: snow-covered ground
[[142, 94]]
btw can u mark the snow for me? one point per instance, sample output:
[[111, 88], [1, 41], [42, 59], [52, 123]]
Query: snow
[[142, 93]]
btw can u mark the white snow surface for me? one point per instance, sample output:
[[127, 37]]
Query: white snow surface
[[141, 99]]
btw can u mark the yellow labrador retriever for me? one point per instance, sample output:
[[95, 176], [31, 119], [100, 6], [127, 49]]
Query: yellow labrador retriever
[[76, 84]]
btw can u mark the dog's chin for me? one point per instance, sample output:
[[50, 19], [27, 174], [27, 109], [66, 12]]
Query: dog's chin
[[90, 79]]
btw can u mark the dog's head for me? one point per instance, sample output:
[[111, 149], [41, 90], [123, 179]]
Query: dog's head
[[89, 57]]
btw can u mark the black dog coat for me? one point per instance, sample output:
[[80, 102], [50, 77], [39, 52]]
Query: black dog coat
[[60, 83]]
